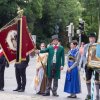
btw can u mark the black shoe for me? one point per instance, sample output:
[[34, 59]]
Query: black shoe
[[69, 96], [72, 96], [56, 95], [88, 97], [97, 98], [17, 89], [21, 90], [39, 93], [1, 89], [43, 93], [46, 94]]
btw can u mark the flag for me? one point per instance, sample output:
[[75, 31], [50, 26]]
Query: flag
[[16, 41], [28, 45], [8, 41]]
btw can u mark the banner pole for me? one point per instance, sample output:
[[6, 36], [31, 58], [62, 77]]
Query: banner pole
[[19, 36]]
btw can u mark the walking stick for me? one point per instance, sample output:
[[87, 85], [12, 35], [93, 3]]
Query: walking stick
[[41, 61], [42, 64], [43, 68]]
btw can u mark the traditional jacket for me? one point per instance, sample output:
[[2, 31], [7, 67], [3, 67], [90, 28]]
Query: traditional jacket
[[59, 60]]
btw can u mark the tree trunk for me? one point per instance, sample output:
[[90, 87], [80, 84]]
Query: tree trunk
[[99, 33], [99, 20]]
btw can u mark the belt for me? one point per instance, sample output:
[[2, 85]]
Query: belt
[[72, 60]]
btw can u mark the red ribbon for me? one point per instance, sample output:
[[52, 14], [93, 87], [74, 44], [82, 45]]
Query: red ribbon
[[55, 47]]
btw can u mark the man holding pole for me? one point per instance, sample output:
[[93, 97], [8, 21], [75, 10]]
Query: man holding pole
[[55, 63]]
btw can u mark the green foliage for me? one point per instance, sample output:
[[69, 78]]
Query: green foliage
[[7, 11], [58, 12], [91, 14], [43, 15]]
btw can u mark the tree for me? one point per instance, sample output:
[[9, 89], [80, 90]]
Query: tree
[[57, 12], [91, 14], [7, 11], [43, 15]]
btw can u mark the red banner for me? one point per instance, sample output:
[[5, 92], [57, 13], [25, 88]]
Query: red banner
[[8, 41], [27, 43]]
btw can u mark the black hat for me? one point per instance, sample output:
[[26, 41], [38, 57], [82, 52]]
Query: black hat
[[93, 34], [54, 37]]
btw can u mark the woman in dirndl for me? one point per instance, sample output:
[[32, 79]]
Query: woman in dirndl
[[41, 79], [72, 81]]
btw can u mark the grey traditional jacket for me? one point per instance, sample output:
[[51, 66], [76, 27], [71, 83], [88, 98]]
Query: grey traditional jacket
[[77, 59], [85, 55]]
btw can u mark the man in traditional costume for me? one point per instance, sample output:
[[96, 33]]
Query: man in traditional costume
[[88, 70], [55, 64]]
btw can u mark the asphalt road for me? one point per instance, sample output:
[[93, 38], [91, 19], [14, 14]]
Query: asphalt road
[[10, 85]]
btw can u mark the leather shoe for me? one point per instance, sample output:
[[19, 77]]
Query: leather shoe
[[1, 89], [21, 90], [39, 93], [88, 97], [46, 94], [56, 95], [17, 89], [72, 96]]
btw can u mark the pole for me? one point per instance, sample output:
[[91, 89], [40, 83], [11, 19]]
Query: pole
[[80, 39], [99, 20], [79, 35], [19, 36], [18, 39], [70, 39]]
